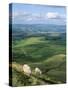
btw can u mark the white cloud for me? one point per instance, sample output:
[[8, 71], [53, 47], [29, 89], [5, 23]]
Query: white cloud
[[29, 19], [53, 15], [37, 17]]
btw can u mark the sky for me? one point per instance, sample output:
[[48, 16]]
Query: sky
[[37, 14]]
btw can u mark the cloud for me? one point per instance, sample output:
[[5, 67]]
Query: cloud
[[21, 16], [53, 15], [28, 17]]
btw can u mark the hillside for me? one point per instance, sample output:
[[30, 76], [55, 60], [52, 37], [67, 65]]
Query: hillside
[[42, 52], [33, 49], [53, 72]]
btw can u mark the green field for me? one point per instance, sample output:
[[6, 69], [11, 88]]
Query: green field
[[39, 51]]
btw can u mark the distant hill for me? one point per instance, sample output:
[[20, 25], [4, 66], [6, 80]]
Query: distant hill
[[20, 31], [38, 28]]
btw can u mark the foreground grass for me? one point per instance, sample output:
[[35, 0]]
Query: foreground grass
[[53, 72], [20, 79]]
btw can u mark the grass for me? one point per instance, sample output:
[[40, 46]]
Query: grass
[[48, 55], [21, 79], [35, 48]]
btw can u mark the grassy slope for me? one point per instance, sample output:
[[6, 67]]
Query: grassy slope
[[48, 55], [53, 71], [35, 49]]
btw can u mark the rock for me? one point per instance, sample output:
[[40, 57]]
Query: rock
[[38, 71], [27, 69]]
